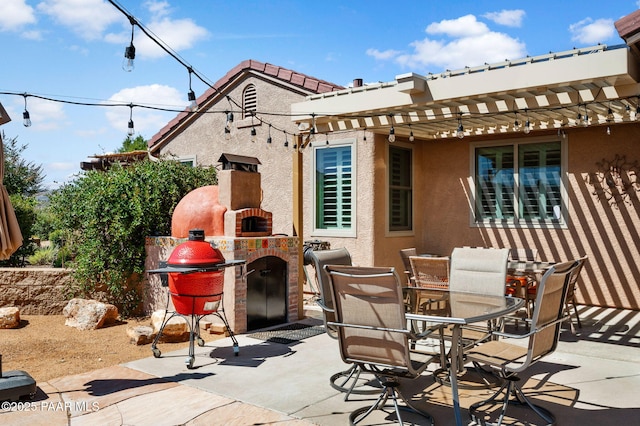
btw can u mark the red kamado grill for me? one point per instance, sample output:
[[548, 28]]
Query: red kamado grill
[[195, 272]]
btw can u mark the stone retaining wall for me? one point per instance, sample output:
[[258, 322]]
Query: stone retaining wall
[[36, 291]]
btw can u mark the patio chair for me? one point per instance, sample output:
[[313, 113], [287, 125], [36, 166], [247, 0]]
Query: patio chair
[[571, 293], [373, 333], [482, 271], [510, 359], [405, 254], [571, 296], [343, 381], [430, 272], [519, 284], [431, 275]]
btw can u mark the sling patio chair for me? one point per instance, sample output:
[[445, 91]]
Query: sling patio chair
[[571, 293], [348, 381], [509, 359], [476, 270], [373, 333]]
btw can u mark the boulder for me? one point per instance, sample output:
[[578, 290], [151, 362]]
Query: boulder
[[176, 329], [85, 314], [9, 317], [140, 335]]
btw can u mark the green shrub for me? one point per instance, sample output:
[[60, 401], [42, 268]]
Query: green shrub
[[43, 256], [106, 217]]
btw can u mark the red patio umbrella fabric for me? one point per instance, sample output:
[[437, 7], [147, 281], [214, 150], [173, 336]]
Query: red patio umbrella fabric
[[10, 234]]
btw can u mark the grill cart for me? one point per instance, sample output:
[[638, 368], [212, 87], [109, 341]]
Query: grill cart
[[195, 277]]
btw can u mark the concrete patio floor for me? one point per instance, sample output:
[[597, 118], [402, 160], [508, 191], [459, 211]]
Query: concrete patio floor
[[593, 378]]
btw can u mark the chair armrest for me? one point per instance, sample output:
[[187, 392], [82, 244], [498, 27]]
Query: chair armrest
[[532, 330], [369, 327], [324, 307]]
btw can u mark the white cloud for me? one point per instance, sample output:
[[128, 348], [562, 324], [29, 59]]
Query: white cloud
[[465, 42], [383, 55], [14, 14], [177, 34], [589, 31], [509, 18], [146, 121], [87, 18], [465, 26]]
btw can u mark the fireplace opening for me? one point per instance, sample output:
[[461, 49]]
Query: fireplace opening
[[254, 224]]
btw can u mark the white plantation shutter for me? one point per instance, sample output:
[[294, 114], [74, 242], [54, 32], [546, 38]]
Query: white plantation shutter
[[334, 188]]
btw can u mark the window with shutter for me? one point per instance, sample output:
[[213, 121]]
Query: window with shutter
[[334, 187], [400, 189], [533, 183]]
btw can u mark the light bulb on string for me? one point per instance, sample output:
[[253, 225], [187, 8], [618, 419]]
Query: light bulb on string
[[253, 129], [392, 131], [229, 121], [191, 96], [269, 140], [516, 123], [129, 51], [130, 129], [26, 119], [411, 137], [527, 124], [286, 140], [460, 129]]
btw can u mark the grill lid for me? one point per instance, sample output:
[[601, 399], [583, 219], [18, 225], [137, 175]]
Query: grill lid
[[195, 253]]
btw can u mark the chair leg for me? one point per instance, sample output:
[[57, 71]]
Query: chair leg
[[350, 379], [510, 388], [568, 313], [575, 308], [389, 391]]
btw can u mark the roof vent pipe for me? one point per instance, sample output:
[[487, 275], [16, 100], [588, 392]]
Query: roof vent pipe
[[357, 82]]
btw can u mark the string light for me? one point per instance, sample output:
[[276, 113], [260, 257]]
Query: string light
[[269, 140], [26, 119], [130, 130], [516, 123], [392, 131], [130, 51], [460, 129], [411, 137], [193, 104], [527, 124]]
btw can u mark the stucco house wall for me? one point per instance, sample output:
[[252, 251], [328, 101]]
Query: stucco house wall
[[204, 138], [604, 228]]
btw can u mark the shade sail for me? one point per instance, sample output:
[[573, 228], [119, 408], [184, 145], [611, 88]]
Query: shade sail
[[10, 234]]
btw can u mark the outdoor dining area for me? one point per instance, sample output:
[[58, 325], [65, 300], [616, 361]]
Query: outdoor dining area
[[479, 318]]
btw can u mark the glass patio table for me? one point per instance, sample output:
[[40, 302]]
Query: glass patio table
[[458, 309]]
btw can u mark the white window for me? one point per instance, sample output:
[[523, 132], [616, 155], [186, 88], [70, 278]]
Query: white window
[[520, 183], [400, 188], [334, 188]]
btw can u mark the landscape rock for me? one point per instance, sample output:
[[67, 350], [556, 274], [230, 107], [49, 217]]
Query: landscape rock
[[140, 335], [176, 329], [85, 314], [9, 317]]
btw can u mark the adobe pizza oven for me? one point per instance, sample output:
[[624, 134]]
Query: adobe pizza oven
[[262, 292]]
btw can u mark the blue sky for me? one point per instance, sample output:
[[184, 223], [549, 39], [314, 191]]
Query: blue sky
[[72, 50]]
